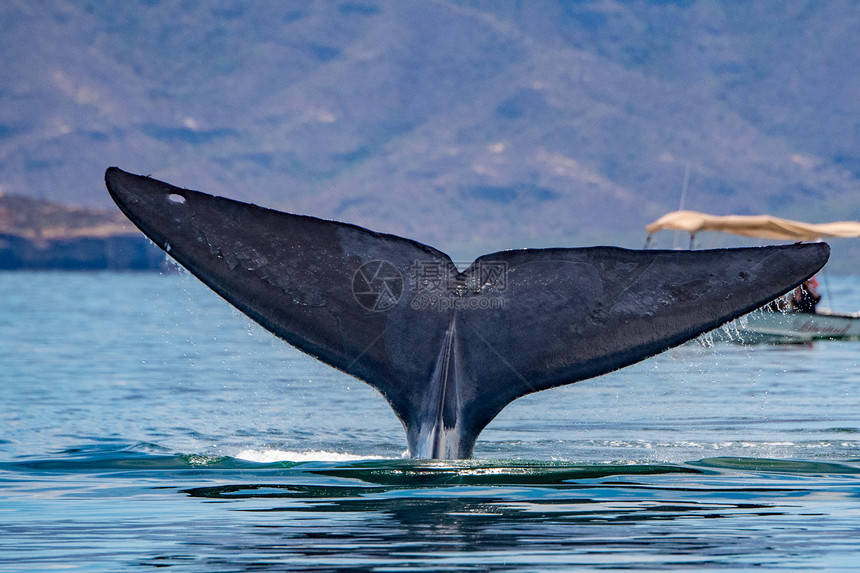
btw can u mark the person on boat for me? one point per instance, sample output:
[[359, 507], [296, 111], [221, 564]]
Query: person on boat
[[806, 297]]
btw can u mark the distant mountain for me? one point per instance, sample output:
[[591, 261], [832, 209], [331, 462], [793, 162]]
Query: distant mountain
[[43, 220], [36, 234], [470, 125]]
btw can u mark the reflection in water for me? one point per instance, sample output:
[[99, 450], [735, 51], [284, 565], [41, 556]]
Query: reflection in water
[[489, 528], [222, 514], [411, 514]]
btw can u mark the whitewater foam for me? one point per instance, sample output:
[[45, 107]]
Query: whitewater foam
[[274, 456]]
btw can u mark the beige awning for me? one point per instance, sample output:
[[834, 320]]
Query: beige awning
[[756, 226]]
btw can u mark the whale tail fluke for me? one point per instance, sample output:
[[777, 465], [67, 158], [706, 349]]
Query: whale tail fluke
[[449, 349]]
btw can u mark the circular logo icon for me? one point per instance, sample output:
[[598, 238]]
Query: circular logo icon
[[377, 285]]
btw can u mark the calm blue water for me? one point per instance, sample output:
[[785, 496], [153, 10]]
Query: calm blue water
[[145, 424]]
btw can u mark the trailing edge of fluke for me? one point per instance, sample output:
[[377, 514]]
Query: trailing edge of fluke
[[450, 349]]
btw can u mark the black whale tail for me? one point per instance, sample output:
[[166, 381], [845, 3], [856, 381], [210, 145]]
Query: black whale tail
[[450, 349]]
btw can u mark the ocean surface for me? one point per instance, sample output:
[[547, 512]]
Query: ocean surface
[[145, 425]]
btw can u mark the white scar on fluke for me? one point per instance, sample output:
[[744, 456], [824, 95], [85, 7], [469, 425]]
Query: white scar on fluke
[[449, 354]]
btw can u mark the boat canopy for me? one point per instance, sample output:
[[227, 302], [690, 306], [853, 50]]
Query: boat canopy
[[756, 226]]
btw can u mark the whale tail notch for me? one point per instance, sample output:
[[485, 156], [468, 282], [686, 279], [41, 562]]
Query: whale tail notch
[[449, 349]]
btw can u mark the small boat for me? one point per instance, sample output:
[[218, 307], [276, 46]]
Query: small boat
[[785, 319], [773, 326]]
